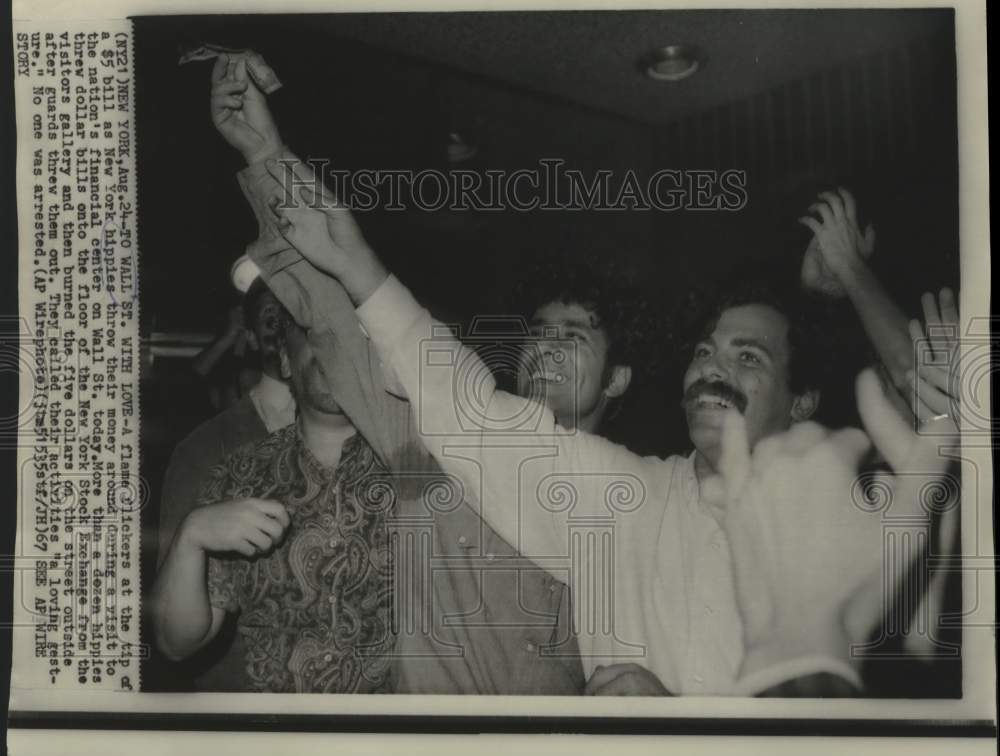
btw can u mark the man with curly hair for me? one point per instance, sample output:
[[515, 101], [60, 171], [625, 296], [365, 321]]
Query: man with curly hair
[[580, 356], [685, 575], [658, 611]]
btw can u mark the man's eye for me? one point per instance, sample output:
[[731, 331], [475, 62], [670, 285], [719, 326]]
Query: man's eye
[[701, 351], [750, 357]]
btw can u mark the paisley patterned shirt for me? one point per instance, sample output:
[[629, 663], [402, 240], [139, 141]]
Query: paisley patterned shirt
[[314, 614]]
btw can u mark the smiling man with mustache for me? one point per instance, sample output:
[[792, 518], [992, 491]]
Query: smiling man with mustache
[[652, 568], [755, 356], [656, 608]]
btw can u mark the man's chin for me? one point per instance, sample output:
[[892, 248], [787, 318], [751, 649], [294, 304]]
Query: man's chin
[[708, 419], [704, 428]]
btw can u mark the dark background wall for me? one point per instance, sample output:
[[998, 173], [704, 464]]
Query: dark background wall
[[359, 107], [882, 124]]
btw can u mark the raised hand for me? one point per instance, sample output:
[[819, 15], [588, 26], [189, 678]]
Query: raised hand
[[837, 244], [791, 525], [240, 111], [935, 376], [805, 548], [323, 230], [251, 527]]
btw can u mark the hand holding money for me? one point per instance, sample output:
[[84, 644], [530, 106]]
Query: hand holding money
[[240, 111]]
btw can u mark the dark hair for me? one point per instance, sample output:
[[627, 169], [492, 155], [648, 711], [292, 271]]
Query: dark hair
[[251, 301], [617, 306], [810, 347]]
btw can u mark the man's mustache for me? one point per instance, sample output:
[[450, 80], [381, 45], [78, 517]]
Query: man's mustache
[[720, 389]]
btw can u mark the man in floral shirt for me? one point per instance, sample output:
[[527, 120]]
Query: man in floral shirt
[[291, 536]]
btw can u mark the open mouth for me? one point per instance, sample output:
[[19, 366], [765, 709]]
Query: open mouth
[[548, 377], [713, 396], [713, 401]]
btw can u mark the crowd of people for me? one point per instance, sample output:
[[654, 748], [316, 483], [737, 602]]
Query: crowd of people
[[377, 515]]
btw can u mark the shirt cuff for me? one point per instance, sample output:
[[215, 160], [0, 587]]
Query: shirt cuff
[[259, 186], [776, 674], [387, 314]]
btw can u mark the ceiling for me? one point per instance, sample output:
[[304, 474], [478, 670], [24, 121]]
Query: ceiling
[[590, 57]]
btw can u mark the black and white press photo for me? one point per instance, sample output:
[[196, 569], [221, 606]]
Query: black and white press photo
[[481, 368], [550, 353]]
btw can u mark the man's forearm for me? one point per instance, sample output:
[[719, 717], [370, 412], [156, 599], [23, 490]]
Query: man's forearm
[[272, 149], [883, 320], [364, 277], [182, 615]]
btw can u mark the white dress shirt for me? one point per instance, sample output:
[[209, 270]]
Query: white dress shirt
[[649, 566]]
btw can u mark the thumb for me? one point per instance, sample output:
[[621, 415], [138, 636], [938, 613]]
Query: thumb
[[734, 462], [811, 223], [240, 71], [869, 246], [810, 268], [269, 246]]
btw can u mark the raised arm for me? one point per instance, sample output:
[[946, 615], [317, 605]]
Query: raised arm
[[506, 450], [318, 302], [807, 548], [836, 263]]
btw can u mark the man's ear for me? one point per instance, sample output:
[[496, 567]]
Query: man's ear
[[621, 377], [805, 405], [286, 365]]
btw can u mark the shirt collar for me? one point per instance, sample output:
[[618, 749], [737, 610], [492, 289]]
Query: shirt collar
[[356, 458], [691, 491], [274, 402]]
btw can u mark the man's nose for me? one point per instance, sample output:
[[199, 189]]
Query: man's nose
[[715, 369]]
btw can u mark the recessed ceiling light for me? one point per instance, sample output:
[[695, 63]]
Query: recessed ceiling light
[[672, 63]]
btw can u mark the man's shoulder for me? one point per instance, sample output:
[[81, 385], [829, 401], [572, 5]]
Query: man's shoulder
[[264, 449], [665, 477], [651, 465]]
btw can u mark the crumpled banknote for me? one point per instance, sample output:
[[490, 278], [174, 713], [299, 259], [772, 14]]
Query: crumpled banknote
[[261, 73]]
